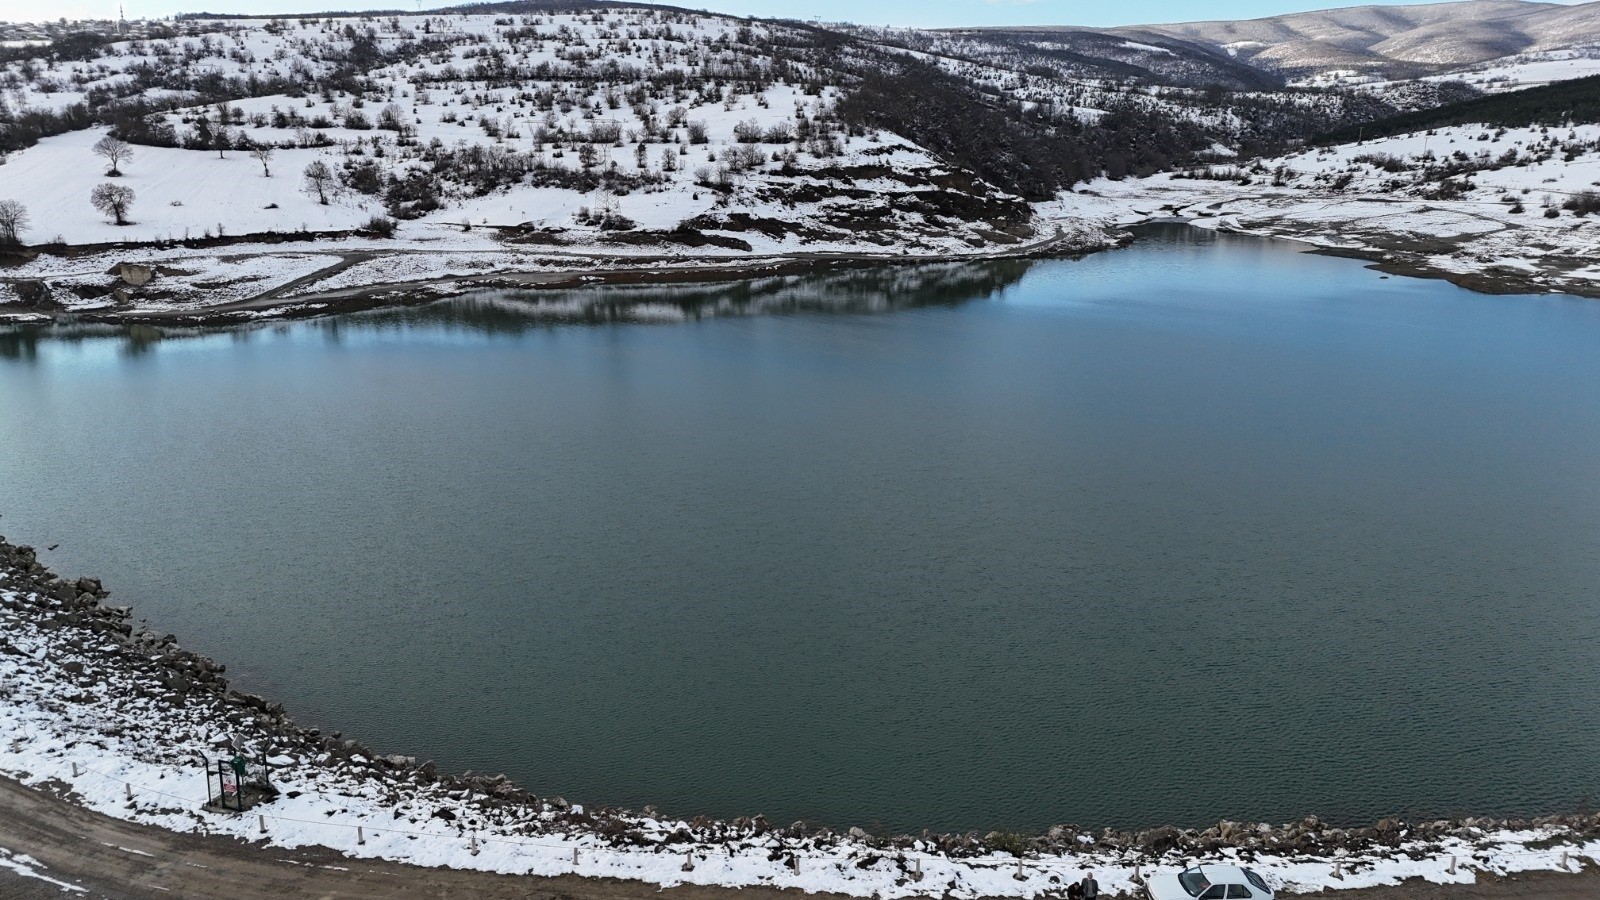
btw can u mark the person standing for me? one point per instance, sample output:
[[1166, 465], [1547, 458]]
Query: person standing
[[1091, 888]]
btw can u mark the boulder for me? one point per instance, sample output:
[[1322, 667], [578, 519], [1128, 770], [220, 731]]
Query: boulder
[[133, 274], [36, 294]]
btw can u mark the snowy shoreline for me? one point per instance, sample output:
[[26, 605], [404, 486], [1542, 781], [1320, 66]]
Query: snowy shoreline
[[121, 721], [314, 277]]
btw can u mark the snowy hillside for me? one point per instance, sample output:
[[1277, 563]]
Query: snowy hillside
[[1504, 210], [1394, 40], [587, 123], [243, 161]]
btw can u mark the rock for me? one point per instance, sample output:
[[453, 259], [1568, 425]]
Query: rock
[[36, 294], [72, 668], [1157, 841], [133, 274], [856, 834]]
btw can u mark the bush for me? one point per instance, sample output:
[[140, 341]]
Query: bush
[[1012, 842], [1583, 203], [1385, 161], [381, 226]]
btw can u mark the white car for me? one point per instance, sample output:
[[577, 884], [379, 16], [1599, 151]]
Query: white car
[[1208, 883]]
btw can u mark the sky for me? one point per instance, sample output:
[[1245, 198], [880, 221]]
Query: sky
[[919, 13]]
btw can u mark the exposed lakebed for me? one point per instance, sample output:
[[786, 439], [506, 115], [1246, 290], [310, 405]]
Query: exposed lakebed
[[1201, 529]]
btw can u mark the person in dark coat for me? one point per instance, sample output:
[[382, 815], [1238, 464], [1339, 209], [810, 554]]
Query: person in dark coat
[[1075, 891], [1091, 888]]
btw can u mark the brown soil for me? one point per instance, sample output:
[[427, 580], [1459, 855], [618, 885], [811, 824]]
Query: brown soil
[[120, 860]]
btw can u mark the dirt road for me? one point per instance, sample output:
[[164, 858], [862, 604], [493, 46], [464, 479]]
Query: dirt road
[[115, 860]]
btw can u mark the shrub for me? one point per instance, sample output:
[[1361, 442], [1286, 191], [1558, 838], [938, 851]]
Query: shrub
[[1583, 203], [381, 226]]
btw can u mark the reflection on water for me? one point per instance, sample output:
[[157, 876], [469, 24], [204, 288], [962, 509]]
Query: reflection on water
[[1202, 529], [855, 290]]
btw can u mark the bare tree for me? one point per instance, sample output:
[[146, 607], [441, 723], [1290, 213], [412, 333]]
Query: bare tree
[[115, 151], [113, 200], [263, 155], [319, 181], [13, 221]]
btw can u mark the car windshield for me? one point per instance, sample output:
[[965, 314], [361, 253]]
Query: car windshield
[[1194, 881]]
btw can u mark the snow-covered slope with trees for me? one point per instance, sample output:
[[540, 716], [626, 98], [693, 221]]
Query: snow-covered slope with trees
[[236, 161]]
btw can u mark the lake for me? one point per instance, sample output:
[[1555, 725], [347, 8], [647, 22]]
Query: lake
[[1205, 528]]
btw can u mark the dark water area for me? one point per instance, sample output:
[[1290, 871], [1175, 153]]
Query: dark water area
[[1205, 528]]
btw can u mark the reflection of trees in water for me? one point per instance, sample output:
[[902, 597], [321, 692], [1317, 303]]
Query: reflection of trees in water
[[21, 342], [850, 291], [863, 290]]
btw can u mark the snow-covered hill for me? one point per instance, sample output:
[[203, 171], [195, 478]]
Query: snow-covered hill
[[583, 122], [1394, 40], [511, 139], [1497, 209]]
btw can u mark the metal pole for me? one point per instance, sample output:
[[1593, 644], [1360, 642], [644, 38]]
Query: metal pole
[[360, 838], [916, 872], [262, 821], [128, 789]]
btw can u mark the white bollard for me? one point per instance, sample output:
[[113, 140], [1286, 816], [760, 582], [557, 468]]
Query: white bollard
[[574, 857], [74, 770], [1019, 876], [916, 873], [473, 844], [261, 821], [688, 860], [1137, 878], [1563, 859], [1338, 870], [128, 789], [361, 838], [1452, 869]]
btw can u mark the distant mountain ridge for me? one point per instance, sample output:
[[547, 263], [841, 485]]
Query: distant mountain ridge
[[1392, 40]]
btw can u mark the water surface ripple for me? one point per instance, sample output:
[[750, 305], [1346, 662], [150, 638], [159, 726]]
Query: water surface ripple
[[1201, 529]]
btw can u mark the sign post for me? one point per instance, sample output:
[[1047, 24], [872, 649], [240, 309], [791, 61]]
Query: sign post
[[230, 786]]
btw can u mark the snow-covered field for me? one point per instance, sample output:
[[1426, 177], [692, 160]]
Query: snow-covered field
[[120, 724]]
